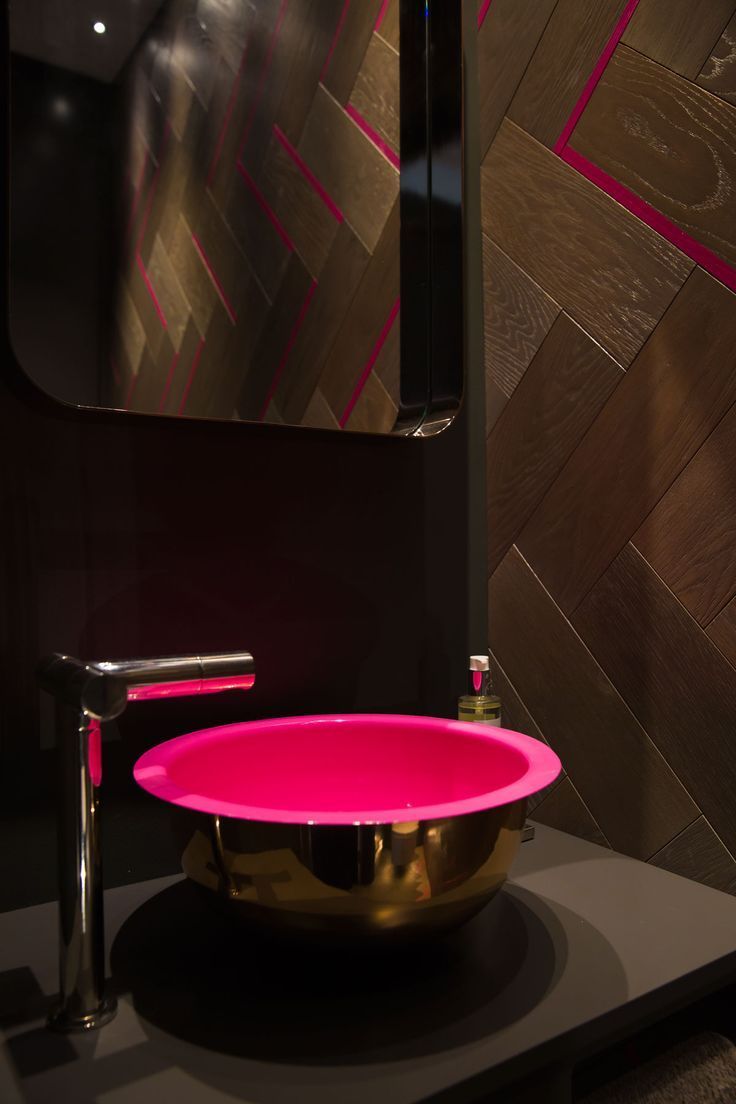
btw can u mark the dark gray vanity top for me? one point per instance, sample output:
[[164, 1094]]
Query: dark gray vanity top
[[582, 944]]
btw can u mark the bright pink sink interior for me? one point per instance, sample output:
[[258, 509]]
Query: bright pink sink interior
[[359, 768]]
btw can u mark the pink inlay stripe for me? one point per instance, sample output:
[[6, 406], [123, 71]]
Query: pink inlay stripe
[[369, 363], [382, 13], [151, 292], [307, 172], [169, 381], [595, 76], [192, 374], [262, 79], [262, 201], [287, 351], [335, 37], [154, 183], [375, 138], [213, 276], [483, 12], [228, 115], [692, 248]]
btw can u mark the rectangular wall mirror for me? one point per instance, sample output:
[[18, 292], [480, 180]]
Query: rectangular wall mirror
[[240, 209]]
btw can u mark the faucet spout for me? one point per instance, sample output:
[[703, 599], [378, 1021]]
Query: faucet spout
[[87, 694]]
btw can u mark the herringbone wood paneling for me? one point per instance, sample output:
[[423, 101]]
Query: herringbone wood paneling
[[613, 619], [261, 202]]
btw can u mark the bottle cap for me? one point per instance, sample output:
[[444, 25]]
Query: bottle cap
[[480, 663]]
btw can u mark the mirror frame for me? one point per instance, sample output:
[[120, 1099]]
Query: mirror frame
[[431, 237]]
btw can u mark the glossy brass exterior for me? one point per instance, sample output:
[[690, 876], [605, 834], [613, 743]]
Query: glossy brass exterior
[[335, 883]]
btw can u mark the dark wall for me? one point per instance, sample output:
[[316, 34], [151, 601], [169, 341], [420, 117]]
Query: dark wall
[[63, 230]]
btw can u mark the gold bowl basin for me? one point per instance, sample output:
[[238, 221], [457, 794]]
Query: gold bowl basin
[[349, 826]]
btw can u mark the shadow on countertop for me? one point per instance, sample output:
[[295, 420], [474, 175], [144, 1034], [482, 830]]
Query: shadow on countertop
[[195, 977]]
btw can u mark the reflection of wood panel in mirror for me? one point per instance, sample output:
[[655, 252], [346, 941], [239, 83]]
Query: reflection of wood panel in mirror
[[259, 277]]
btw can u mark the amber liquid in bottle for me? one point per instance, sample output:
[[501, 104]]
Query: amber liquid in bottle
[[480, 704]]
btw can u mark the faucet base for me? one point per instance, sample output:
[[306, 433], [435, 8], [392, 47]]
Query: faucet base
[[61, 1020]]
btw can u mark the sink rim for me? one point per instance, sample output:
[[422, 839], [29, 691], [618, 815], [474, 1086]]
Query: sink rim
[[151, 771]]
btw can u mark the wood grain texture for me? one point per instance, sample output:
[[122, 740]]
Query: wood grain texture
[[562, 63], [670, 142], [608, 755], [364, 320], [673, 678], [718, 74], [698, 853], [200, 292], [690, 536], [328, 307], [558, 227], [681, 37], [274, 338], [389, 29], [374, 411], [517, 317], [376, 91], [318, 414], [722, 631], [516, 716], [352, 43], [565, 810], [302, 212], [558, 398], [668, 403], [355, 173], [506, 41]]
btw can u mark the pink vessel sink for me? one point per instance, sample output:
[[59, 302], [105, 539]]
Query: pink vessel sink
[[340, 824]]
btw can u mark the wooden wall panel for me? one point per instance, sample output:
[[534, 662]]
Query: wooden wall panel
[[572, 41], [680, 35], [518, 316], [698, 853], [690, 536], [559, 396], [670, 142], [558, 227], [722, 630], [673, 678], [507, 39], [607, 753], [670, 400], [613, 617], [718, 74]]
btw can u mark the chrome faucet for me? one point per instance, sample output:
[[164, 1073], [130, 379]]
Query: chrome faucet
[[87, 694]]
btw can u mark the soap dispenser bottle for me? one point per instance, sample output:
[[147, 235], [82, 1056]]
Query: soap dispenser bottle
[[480, 703]]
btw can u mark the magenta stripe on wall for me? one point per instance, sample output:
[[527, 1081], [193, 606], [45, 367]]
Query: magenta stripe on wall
[[151, 292], [382, 13], [192, 374], [228, 115], [335, 37], [483, 12], [262, 79], [719, 268], [374, 137], [215, 280], [287, 350], [369, 363], [690, 246], [307, 172], [169, 381], [262, 201], [600, 67]]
